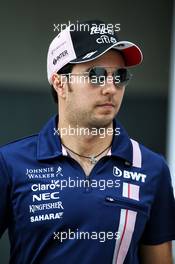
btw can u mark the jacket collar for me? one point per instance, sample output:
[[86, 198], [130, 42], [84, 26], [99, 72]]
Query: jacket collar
[[49, 143]]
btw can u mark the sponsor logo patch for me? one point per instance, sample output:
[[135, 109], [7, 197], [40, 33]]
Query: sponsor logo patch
[[135, 176]]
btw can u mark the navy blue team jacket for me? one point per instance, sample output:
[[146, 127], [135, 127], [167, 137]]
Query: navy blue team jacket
[[56, 214]]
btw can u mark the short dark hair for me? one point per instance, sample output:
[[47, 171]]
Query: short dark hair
[[66, 69]]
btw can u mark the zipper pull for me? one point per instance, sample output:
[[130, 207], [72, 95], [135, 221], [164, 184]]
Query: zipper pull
[[110, 199]]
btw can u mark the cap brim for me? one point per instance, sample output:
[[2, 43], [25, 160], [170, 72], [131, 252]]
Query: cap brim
[[130, 51]]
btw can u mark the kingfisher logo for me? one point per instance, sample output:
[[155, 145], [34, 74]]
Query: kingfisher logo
[[129, 174]]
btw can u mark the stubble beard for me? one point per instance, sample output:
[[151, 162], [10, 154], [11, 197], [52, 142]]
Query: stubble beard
[[87, 120]]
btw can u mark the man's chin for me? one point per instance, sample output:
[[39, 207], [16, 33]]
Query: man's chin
[[103, 121]]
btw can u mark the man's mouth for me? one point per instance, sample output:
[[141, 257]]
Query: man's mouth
[[107, 105]]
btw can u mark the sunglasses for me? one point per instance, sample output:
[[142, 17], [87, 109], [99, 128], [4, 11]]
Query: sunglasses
[[99, 76]]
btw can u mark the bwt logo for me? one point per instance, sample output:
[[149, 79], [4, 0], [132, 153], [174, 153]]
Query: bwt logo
[[129, 174]]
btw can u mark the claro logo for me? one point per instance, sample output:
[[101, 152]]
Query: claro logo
[[129, 174]]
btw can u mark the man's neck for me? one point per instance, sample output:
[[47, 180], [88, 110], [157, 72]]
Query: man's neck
[[88, 142]]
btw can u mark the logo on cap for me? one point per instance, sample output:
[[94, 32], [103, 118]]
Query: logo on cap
[[61, 55], [105, 39], [88, 55], [101, 30]]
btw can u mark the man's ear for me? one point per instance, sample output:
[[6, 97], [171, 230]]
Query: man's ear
[[58, 82]]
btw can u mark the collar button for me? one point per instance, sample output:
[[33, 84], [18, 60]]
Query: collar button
[[127, 163]]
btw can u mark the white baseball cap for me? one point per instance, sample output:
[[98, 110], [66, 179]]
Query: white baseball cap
[[78, 46]]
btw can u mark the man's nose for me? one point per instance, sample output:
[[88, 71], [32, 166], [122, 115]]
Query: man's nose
[[109, 86]]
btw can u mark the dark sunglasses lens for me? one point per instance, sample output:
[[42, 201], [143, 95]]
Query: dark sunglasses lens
[[98, 75], [121, 76]]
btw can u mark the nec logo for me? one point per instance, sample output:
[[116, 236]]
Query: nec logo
[[129, 174]]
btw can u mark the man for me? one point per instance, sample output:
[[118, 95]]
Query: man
[[81, 191]]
